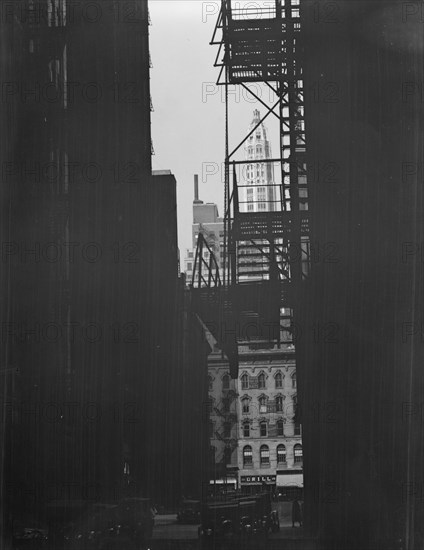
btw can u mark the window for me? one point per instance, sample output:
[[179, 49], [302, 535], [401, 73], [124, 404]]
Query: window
[[189, 266], [278, 380], [247, 456], [281, 454], [226, 382], [264, 455], [210, 382], [244, 382], [190, 254], [298, 453], [246, 429], [279, 404], [280, 428], [297, 428], [227, 455], [294, 382], [250, 207], [56, 13], [261, 381], [211, 430], [227, 429], [245, 405], [226, 404], [263, 430], [262, 405]]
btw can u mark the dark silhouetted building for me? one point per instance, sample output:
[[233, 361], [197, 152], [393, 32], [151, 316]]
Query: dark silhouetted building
[[94, 321]]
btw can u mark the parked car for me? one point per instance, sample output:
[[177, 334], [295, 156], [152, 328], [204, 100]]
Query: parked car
[[28, 538]]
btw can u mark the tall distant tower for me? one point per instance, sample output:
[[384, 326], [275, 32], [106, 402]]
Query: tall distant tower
[[258, 194]]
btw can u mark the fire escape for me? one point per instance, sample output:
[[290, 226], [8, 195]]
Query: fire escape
[[266, 253], [227, 412]]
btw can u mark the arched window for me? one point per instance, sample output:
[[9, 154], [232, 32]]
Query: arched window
[[246, 429], [281, 454], [225, 382], [264, 455], [298, 453], [245, 405], [263, 430], [278, 380], [247, 456], [279, 403], [261, 381], [294, 382], [280, 428], [244, 382], [262, 404]]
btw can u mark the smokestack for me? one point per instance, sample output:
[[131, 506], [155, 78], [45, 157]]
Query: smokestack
[[196, 190]]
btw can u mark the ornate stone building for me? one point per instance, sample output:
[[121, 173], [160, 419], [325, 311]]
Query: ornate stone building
[[254, 427]]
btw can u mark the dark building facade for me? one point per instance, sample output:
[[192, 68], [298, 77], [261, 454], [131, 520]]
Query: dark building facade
[[92, 305], [361, 377]]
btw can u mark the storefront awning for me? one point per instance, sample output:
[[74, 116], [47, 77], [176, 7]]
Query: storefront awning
[[223, 481]]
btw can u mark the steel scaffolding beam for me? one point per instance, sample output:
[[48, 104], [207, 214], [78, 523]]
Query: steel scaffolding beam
[[267, 253]]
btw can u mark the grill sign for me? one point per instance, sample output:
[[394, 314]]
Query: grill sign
[[258, 479]]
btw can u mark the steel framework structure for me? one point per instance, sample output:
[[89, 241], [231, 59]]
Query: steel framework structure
[[267, 252]]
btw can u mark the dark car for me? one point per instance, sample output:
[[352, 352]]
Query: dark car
[[29, 538], [189, 512], [128, 524]]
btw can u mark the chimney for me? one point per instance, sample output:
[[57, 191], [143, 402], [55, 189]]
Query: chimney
[[196, 190]]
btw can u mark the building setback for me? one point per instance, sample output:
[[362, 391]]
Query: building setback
[[206, 220]]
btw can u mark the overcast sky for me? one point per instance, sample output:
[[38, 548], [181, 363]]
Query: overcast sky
[[188, 129]]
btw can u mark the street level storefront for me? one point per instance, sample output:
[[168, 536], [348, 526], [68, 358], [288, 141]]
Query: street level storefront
[[254, 483], [289, 484], [222, 486]]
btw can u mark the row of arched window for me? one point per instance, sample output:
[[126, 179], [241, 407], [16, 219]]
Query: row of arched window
[[264, 455], [278, 380], [263, 404]]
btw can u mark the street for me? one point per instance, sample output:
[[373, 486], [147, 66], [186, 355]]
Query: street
[[166, 526]]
